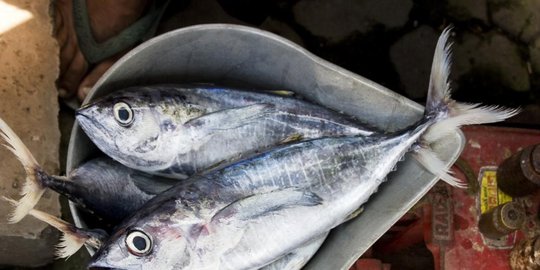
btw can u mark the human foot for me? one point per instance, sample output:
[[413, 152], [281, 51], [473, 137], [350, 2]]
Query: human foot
[[107, 19]]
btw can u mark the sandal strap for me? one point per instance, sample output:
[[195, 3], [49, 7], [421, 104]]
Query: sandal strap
[[141, 30]]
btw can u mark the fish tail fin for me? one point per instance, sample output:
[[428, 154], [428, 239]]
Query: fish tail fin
[[429, 160], [447, 114], [32, 189], [70, 242]]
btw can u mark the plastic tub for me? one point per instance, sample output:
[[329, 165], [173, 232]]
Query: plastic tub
[[234, 55]]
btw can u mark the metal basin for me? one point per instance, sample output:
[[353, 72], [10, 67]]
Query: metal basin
[[234, 55]]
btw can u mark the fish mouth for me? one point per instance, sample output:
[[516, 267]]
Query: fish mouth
[[86, 123], [81, 116]]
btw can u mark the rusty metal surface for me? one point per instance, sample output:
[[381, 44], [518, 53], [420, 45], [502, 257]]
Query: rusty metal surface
[[502, 220], [450, 219], [487, 147], [526, 255], [519, 175]]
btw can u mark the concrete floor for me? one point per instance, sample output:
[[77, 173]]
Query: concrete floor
[[28, 103]]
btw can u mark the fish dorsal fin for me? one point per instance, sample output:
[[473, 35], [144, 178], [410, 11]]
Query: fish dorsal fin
[[258, 205], [231, 118]]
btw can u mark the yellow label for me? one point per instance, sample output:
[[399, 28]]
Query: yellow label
[[490, 195]]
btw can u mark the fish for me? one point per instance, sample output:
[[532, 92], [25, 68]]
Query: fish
[[177, 131], [73, 238], [100, 186], [247, 214], [111, 192]]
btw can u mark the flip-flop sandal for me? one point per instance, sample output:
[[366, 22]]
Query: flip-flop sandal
[[142, 29]]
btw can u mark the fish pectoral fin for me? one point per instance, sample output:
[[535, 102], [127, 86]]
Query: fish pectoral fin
[[259, 205], [246, 220], [231, 118], [297, 258]]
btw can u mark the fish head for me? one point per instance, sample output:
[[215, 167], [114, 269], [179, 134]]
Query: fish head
[[137, 128], [150, 240], [142, 248]]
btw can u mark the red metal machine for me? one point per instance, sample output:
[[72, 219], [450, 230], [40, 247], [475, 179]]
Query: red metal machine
[[447, 219]]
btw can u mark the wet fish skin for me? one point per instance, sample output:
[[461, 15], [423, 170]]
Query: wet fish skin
[[246, 215], [178, 131]]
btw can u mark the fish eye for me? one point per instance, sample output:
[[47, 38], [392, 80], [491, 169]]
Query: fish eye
[[123, 113], [138, 243]]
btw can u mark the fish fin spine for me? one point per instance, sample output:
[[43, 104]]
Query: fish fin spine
[[447, 115], [69, 245], [70, 241], [430, 161], [32, 189]]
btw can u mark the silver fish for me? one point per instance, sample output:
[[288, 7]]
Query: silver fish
[[73, 238], [247, 214], [100, 186], [107, 189], [178, 131]]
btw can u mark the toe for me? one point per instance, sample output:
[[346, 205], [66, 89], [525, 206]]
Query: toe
[[90, 80], [71, 78]]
